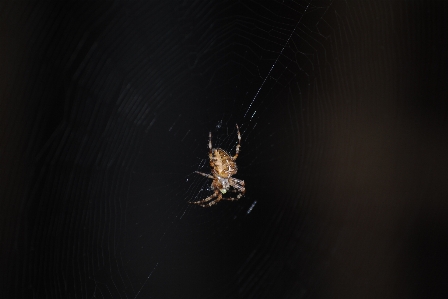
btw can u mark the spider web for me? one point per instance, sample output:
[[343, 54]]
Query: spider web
[[233, 74], [118, 101]]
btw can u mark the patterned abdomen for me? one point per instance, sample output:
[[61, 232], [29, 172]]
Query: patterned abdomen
[[224, 166]]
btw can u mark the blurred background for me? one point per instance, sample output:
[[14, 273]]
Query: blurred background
[[105, 111]]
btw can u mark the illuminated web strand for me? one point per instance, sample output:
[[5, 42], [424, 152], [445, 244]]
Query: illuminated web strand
[[146, 281], [275, 62]]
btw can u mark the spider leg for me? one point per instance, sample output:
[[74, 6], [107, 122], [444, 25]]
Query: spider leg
[[204, 174], [210, 143], [213, 202], [207, 202], [238, 185], [237, 150], [210, 150], [215, 194], [233, 198]]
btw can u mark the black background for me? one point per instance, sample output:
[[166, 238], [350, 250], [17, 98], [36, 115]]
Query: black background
[[105, 109]]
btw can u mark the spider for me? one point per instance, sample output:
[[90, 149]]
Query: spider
[[223, 167]]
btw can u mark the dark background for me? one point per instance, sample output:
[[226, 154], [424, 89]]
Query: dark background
[[105, 109]]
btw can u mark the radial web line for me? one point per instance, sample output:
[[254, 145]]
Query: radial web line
[[276, 60]]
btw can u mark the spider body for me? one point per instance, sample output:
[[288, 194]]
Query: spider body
[[223, 167]]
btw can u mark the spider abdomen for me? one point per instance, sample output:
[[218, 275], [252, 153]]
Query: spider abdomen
[[222, 163]]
